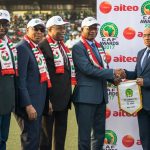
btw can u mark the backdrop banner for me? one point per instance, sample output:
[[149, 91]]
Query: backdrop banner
[[121, 26]]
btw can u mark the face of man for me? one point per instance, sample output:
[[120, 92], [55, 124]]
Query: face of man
[[90, 32], [146, 37], [4, 26], [36, 33], [57, 32]]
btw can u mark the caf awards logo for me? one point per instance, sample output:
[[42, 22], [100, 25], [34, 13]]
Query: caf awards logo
[[145, 11], [110, 137], [109, 29], [129, 92], [109, 33], [5, 56]]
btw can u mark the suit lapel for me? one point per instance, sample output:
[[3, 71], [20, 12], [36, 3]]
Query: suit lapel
[[147, 67]]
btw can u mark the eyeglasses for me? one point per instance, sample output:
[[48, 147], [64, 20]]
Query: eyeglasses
[[92, 28], [4, 25], [39, 29], [146, 35], [59, 27]]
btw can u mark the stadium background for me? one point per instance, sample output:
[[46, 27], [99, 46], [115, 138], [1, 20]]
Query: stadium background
[[22, 11]]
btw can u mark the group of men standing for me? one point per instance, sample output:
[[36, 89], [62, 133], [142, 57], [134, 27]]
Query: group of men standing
[[36, 79]]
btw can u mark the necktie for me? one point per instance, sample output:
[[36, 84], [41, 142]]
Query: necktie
[[63, 54], [96, 52], [145, 60]]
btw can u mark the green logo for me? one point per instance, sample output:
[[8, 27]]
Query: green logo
[[109, 29], [5, 56], [129, 92], [40, 61], [145, 9], [110, 137]]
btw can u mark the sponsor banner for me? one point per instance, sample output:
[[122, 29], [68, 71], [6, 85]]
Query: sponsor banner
[[120, 32]]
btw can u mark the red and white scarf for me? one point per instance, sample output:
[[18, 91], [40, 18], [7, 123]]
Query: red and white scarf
[[92, 55], [44, 75], [58, 58], [6, 59]]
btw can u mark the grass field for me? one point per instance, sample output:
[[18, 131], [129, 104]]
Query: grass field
[[71, 140]]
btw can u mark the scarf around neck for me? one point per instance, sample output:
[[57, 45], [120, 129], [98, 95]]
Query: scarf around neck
[[44, 75], [8, 58], [58, 58], [92, 55]]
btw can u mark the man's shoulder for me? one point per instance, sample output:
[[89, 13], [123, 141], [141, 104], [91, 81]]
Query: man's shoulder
[[22, 43], [43, 42], [141, 51], [79, 44]]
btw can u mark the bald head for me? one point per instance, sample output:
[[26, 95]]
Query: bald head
[[146, 36]]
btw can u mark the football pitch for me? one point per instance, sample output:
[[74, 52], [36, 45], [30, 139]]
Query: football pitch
[[71, 139]]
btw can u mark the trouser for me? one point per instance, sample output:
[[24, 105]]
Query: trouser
[[58, 121], [30, 132], [144, 128], [4, 130], [90, 119]]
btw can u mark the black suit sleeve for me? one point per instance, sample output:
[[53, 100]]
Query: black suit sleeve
[[23, 59]]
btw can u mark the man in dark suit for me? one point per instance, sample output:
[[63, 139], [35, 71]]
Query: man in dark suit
[[8, 69], [32, 85], [56, 55], [90, 94], [142, 75]]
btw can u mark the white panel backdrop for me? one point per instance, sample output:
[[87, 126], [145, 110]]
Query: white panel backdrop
[[122, 23]]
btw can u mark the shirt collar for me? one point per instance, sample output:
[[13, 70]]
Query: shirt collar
[[89, 42]]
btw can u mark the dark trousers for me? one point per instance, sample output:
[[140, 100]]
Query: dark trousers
[[90, 119], [30, 133], [144, 128], [4, 130], [58, 121]]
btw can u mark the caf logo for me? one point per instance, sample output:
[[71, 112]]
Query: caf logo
[[5, 56], [40, 61], [145, 9], [129, 92], [110, 137], [109, 29]]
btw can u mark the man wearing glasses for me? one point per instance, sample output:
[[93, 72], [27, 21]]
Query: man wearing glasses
[[8, 70], [56, 54], [32, 82]]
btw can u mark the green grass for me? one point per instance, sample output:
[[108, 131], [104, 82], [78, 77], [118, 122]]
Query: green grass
[[71, 139]]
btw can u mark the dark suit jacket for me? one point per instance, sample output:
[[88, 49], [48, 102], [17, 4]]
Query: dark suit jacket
[[91, 82], [30, 90], [60, 93], [7, 93], [145, 74]]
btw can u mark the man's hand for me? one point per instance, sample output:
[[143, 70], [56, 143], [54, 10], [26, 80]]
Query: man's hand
[[31, 112], [119, 73], [117, 81], [140, 81], [50, 108]]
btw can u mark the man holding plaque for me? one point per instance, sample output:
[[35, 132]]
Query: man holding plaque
[[142, 75]]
